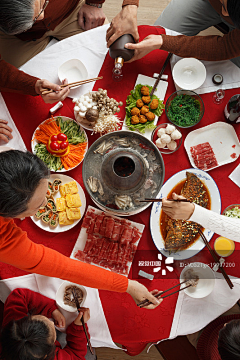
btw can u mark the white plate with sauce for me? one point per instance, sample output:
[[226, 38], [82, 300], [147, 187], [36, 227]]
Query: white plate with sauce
[[215, 199]]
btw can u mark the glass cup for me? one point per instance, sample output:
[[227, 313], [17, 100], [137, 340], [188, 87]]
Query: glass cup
[[218, 96], [224, 247]]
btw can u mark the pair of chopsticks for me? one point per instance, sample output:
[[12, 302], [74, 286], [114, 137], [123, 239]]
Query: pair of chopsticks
[[159, 295], [212, 252], [161, 73], [82, 320], [77, 83], [160, 200]]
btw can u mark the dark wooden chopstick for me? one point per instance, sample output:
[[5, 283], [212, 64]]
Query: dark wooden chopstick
[[147, 302], [212, 252], [161, 72], [77, 83], [160, 200], [82, 320]]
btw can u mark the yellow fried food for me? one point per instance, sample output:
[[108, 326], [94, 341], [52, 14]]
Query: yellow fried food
[[63, 219], [135, 111], [134, 120], [142, 119], [71, 188], [139, 103], [73, 213], [62, 190], [146, 99], [73, 200], [144, 110], [150, 116], [145, 90], [154, 104], [60, 204]]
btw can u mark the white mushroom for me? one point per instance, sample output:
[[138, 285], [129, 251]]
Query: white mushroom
[[76, 108]]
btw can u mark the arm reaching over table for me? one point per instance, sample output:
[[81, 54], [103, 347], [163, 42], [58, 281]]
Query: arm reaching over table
[[139, 293], [150, 43], [124, 22], [5, 131], [59, 94], [220, 224]]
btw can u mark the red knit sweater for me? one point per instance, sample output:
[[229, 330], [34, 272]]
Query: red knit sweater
[[21, 301]]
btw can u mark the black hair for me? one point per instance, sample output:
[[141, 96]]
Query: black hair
[[233, 8], [229, 341], [20, 175], [16, 16], [26, 339]]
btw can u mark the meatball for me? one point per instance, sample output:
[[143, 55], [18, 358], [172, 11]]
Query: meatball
[[154, 104], [145, 90], [150, 116], [139, 103], [144, 110], [142, 119], [134, 120], [135, 111], [146, 99]]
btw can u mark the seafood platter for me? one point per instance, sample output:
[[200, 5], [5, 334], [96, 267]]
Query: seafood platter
[[179, 238], [120, 170], [107, 241]]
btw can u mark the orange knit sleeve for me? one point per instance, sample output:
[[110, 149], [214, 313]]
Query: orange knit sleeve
[[18, 250]]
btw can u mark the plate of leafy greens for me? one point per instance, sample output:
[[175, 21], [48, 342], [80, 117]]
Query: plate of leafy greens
[[60, 142], [143, 110]]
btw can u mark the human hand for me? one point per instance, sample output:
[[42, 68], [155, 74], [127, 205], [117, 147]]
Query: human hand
[[90, 17], [59, 94], [178, 210], [5, 131], [150, 43], [59, 319], [139, 293], [85, 313], [124, 22]]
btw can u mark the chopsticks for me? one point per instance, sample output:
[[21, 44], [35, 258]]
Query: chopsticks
[[82, 82], [82, 320], [159, 295], [161, 72], [160, 200], [212, 252]]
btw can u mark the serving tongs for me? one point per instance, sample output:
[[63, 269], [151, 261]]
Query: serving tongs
[[82, 319], [159, 295]]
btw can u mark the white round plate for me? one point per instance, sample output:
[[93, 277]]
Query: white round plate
[[206, 280], [60, 293], [157, 206], [60, 228], [73, 70], [189, 73], [64, 118]]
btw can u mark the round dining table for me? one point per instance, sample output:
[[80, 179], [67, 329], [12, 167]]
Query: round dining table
[[129, 325]]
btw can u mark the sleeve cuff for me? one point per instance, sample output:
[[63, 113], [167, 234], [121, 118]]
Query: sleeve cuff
[[130, 2], [199, 214]]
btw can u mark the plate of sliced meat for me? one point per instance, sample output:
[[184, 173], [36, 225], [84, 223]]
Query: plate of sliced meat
[[212, 146], [179, 238], [107, 241]]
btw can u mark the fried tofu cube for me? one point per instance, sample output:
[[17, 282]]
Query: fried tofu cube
[[143, 119], [63, 219], [135, 111], [73, 200], [61, 204], [73, 213], [144, 109], [150, 116], [71, 188], [154, 104], [146, 99], [62, 190], [139, 103], [145, 90]]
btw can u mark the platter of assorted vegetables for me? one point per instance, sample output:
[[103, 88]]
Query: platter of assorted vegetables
[[60, 142]]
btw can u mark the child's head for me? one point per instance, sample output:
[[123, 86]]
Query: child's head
[[30, 338], [229, 341]]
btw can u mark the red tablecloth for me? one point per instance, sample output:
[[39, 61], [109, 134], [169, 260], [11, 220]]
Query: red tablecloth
[[129, 325]]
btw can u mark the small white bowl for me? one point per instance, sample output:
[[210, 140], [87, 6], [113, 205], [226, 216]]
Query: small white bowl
[[206, 280], [189, 74], [72, 70], [60, 293]]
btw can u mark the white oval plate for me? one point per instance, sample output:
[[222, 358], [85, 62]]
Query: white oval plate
[[73, 70], [60, 228], [64, 118], [157, 206], [189, 73]]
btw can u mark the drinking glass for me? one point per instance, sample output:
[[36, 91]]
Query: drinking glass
[[218, 96]]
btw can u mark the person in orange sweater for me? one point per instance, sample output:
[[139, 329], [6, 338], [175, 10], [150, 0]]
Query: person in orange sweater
[[28, 332], [23, 187]]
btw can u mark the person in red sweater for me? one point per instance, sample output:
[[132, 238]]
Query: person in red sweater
[[29, 334], [23, 188]]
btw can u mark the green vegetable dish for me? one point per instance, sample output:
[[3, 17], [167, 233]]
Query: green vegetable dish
[[184, 110], [141, 120], [233, 212]]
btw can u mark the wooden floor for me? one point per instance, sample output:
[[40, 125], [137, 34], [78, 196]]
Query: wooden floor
[[148, 13]]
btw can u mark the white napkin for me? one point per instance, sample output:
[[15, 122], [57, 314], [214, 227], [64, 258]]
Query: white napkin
[[89, 47], [235, 176], [229, 71], [97, 325], [17, 141]]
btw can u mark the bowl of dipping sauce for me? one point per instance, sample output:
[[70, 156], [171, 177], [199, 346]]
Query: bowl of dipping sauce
[[224, 247], [189, 74], [73, 70]]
